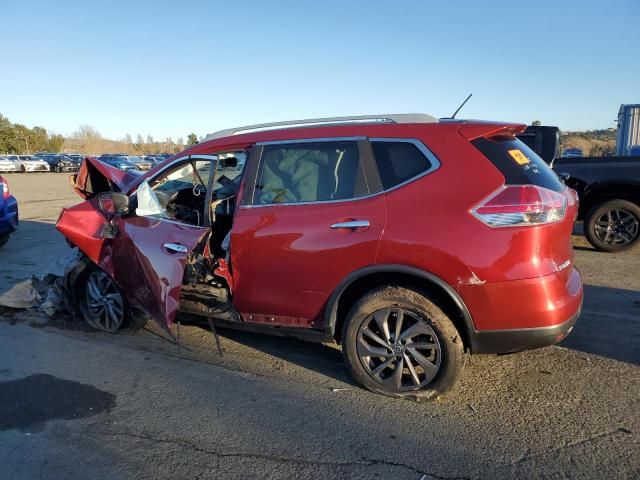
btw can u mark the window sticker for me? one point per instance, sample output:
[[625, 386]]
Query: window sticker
[[519, 157]]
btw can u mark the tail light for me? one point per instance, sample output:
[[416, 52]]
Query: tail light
[[520, 205], [4, 186]]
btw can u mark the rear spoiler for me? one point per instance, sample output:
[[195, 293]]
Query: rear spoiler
[[481, 129]]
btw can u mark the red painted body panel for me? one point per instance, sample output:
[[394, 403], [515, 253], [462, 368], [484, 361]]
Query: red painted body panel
[[530, 303], [82, 225], [287, 260], [149, 274]]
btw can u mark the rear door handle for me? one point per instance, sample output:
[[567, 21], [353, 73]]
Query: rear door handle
[[175, 248], [350, 225]]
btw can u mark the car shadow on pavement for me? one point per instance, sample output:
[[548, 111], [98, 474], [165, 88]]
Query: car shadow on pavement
[[584, 249], [609, 325], [324, 359]]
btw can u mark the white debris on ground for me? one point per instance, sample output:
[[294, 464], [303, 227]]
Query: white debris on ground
[[45, 290], [21, 295]]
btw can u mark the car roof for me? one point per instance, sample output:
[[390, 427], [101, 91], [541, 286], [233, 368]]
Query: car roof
[[387, 118]]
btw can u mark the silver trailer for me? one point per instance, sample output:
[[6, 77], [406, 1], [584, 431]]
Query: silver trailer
[[628, 140]]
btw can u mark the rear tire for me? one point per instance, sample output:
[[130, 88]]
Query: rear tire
[[377, 340], [613, 226]]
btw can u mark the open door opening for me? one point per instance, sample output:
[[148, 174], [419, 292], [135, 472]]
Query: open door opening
[[208, 283]]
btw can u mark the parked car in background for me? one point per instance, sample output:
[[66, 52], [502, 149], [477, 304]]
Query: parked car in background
[[140, 163], [7, 165], [28, 163], [609, 191], [572, 152], [76, 157], [61, 163], [118, 161], [8, 212], [156, 160], [408, 240]]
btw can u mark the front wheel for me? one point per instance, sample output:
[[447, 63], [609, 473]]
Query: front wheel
[[397, 342], [99, 300], [613, 226]]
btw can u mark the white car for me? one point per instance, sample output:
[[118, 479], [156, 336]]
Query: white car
[[7, 165], [28, 163]]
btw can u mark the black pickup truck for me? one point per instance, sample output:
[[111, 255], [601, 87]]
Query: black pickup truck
[[608, 188], [609, 192]]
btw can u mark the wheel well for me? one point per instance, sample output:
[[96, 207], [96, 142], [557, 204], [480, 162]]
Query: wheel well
[[605, 194], [436, 293]]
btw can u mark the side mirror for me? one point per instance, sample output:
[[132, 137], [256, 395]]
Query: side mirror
[[113, 203], [230, 162]]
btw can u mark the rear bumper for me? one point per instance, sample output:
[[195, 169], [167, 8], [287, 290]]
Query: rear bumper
[[509, 341], [523, 314]]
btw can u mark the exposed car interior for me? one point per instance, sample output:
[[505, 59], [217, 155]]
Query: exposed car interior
[[183, 193], [315, 171]]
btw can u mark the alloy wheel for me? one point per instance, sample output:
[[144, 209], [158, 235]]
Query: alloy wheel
[[105, 305], [399, 349], [616, 227]]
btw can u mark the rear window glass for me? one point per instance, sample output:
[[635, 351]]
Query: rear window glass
[[398, 161], [518, 163]]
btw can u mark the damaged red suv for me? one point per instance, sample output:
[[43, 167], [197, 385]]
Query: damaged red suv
[[409, 240]]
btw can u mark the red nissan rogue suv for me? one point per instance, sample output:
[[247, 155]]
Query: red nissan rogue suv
[[409, 240]]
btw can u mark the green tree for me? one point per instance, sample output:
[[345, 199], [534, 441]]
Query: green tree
[[192, 139], [536, 123], [55, 143], [23, 140], [7, 135]]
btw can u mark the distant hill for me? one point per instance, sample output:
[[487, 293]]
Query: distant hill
[[593, 143]]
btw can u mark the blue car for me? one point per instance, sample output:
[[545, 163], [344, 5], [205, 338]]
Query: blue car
[[8, 212]]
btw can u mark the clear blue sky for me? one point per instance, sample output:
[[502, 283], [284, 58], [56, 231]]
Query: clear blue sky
[[167, 68]]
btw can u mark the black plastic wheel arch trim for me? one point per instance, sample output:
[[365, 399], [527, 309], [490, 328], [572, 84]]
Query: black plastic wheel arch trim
[[331, 310]]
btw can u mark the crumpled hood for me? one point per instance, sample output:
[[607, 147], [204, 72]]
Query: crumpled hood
[[95, 177]]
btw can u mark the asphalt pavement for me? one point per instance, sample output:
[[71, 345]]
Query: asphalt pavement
[[80, 404]]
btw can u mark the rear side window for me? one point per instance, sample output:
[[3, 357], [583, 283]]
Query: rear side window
[[310, 172], [518, 163], [400, 160]]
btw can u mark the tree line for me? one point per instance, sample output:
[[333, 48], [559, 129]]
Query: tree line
[[18, 139]]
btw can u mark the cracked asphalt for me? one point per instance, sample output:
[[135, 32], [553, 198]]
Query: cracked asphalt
[[76, 404]]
